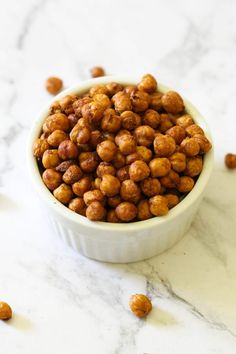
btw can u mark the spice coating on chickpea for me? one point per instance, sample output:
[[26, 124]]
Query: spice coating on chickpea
[[164, 145], [194, 129], [172, 199], [150, 187], [106, 150], [230, 161], [185, 184], [144, 210], [39, 147], [111, 122], [56, 137], [92, 196], [126, 211], [159, 167], [56, 121], [151, 118], [54, 85], [121, 102], [110, 185], [172, 102], [95, 211], [93, 112], [148, 83], [171, 180], [72, 174], [177, 133], [127, 144], [203, 142], [130, 191], [144, 153], [78, 206], [184, 121], [190, 147], [140, 100], [193, 166], [67, 150], [144, 135], [82, 186], [114, 201], [140, 305], [88, 161], [138, 171], [112, 217], [5, 311], [130, 120], [63, 193], [50, 158], [123, 173], [105, 168], [155, 101], [178, 161], [158, 205], [97, 71]]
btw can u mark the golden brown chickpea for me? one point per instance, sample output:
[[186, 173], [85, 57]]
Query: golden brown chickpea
[[158, 205], [139, 170], [184, 121], [78, 206], [103, 100], [84, 135], [98, 89], [51, 178], [144, 135], [119, 160], [121, 102], [95, 211], [96, 183], [148, 84], [55, 107], [92, 112], [56, 137], [194, 166], [171, 180], [144, 210], [140, 101], [194, 129], [96, 137], [178, 161], [230, 161], [126, 211], [57, 121], [66, 104], [165, 123], [144, 153], [92, 196], [177, 133], [84, 148], [129, 89], [150, 187], [5, 311], [54, 85], [72, 174], [82, 186], [172, 102], [123, 173], [203, 142], [109, 136], [50, 159], [67, 150], [78, 104], [114, 201], [190, 146], [63, 193], [110, 185], [160, 166], [120, 134], [106, 150], [130, 191], [113, 88], [173, 200], [73, 120], [105, 168], [63, 166], [39, 147], [88, 161], [112, 217], [111, 122], [97, 71], [130, 120], [126, 144], [75, 131], [132, 157], [155, 101], [164, 145], [185, 184], [151, 118]]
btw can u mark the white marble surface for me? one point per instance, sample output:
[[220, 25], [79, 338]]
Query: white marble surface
[[64, 303]]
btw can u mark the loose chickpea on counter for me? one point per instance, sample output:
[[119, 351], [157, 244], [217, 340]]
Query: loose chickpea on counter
[[121, 153], [5, 311], [54, 85]]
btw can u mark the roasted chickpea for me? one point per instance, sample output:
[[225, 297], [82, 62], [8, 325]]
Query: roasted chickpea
[[50, 159], [96, 183], [95, 211], [172, 199], [84, 135], [121, 102], [111, 122], [130, 191], [178, 161], [55, 107], [138, 171], [151, 118], [150, 187], [184, 121], [113, 88], [103, 100], [109, 136], [185, 184], [39, 147], [194, 166], [51, 178], [56, 137], [190, 146], [66, 104], [230, 161], [78, 105], [105, 168], [63, 193], [110, 185], [158, 205], [112, 217], [194, 129], [67, 150], [93, 112], [144, 135], [63, 166], [177, 133], [114, 201], [98, 89], [73, 120], [126, 211], [120, 134], [129, 89], [123, 173], [164, 145], [54, 85], [96, 137], [144, 210], [155, 101], [140, 101], [130, 120], [171, 180], [172, 102], [75, 131], [106, 150], [159, 167], [203, 142], [72, 174], [126, 144], [148, 84], [144, 153], [97, 71], [78, 206], [165, 123], [57, 121], [88, 161], [92, 196], [119, 160], [82, 186]]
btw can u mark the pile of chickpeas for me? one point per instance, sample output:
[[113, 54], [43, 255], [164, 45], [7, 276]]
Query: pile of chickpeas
[[120, 153]]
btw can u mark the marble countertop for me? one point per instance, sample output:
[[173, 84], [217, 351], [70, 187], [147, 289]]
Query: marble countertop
[[63, 302]]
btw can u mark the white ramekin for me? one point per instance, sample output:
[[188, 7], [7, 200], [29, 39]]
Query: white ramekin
[[119, 243]]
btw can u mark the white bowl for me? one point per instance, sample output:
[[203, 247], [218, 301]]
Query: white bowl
[[119, 243]]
